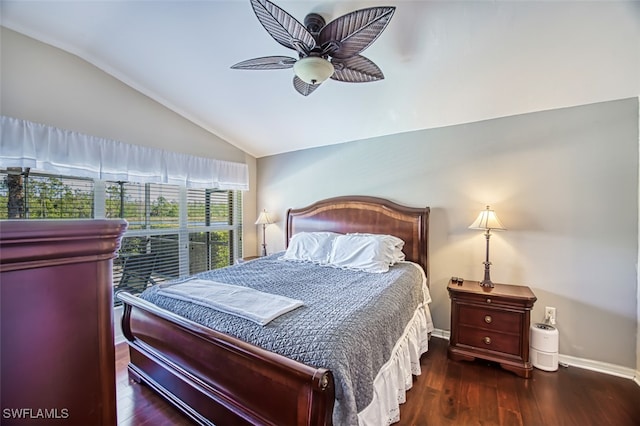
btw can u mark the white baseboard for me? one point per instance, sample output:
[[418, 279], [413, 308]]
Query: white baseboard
[[599, 366], [587, 364], [442, 334]]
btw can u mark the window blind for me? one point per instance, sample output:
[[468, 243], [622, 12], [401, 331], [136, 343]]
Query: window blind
[[212, 223], [150, 251]]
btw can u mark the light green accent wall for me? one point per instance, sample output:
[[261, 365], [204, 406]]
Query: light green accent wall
[[564, 182]]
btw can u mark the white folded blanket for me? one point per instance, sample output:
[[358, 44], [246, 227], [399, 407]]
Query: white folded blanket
[[244, 302]]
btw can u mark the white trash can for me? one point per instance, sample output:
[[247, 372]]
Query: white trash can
[[543, 349]]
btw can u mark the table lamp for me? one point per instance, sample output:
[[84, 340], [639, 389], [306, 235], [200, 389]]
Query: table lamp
[[487, 220], [264, 219]]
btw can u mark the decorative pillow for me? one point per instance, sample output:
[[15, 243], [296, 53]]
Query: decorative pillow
[[396, 245], [363, 252], [310, 247]]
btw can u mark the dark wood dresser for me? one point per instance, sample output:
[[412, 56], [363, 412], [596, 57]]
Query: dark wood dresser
[[56, 296], [491, 324]]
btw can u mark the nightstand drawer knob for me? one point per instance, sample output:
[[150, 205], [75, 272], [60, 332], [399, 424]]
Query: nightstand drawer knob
[[487, 340], [488, 319], [488, 300]]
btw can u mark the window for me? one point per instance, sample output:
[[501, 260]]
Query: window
[[150, 249], [212, 235], [173, 231]]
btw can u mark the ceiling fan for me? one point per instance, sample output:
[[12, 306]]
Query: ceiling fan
[[324, 50]]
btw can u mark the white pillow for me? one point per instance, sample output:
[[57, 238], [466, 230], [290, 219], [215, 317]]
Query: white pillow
[[396, 245], [362, 252], [310, 247]]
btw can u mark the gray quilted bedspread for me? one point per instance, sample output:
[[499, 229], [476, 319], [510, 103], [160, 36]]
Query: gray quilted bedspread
[[349, 324]]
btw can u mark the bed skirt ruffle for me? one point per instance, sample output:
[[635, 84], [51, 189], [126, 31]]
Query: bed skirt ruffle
[[396, 376]]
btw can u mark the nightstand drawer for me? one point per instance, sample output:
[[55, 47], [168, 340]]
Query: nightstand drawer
[[483, 339], [491, 319]]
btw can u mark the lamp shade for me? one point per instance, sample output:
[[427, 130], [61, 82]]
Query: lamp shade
[[264, 218], [487, 219], [313, 69]]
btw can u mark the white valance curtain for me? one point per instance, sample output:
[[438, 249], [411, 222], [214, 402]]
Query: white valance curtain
[[27, 144]]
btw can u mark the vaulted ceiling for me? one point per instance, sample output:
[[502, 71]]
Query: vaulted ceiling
[[445, 62]]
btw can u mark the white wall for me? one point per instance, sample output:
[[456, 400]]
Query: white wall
[[564, 183], [46, 85]]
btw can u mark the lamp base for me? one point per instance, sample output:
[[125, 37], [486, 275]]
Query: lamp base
[[486, 283]]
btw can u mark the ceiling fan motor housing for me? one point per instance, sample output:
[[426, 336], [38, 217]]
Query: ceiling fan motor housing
[[314, 23]]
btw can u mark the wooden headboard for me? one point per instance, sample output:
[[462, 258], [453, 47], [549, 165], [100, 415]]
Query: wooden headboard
[[366, 214]]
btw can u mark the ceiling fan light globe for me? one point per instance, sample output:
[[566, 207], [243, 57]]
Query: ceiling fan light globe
[[313, 69]]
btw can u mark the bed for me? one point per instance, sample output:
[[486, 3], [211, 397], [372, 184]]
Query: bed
[[216, 377]]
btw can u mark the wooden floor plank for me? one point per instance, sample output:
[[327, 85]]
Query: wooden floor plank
[[450, 393], [449, 406], [508, 403]]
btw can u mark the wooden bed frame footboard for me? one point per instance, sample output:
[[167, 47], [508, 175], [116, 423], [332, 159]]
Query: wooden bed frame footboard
[[215, 378]]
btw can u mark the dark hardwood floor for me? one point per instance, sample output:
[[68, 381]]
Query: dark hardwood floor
[[455, 393]]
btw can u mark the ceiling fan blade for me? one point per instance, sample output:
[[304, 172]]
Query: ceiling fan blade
[[303, 88], [356, 69], [355, 31], [284, 28], [265, 63]]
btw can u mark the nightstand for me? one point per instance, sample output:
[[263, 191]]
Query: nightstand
[[491, 324]]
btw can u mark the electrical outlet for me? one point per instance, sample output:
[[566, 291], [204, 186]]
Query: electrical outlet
[[550, 315]]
